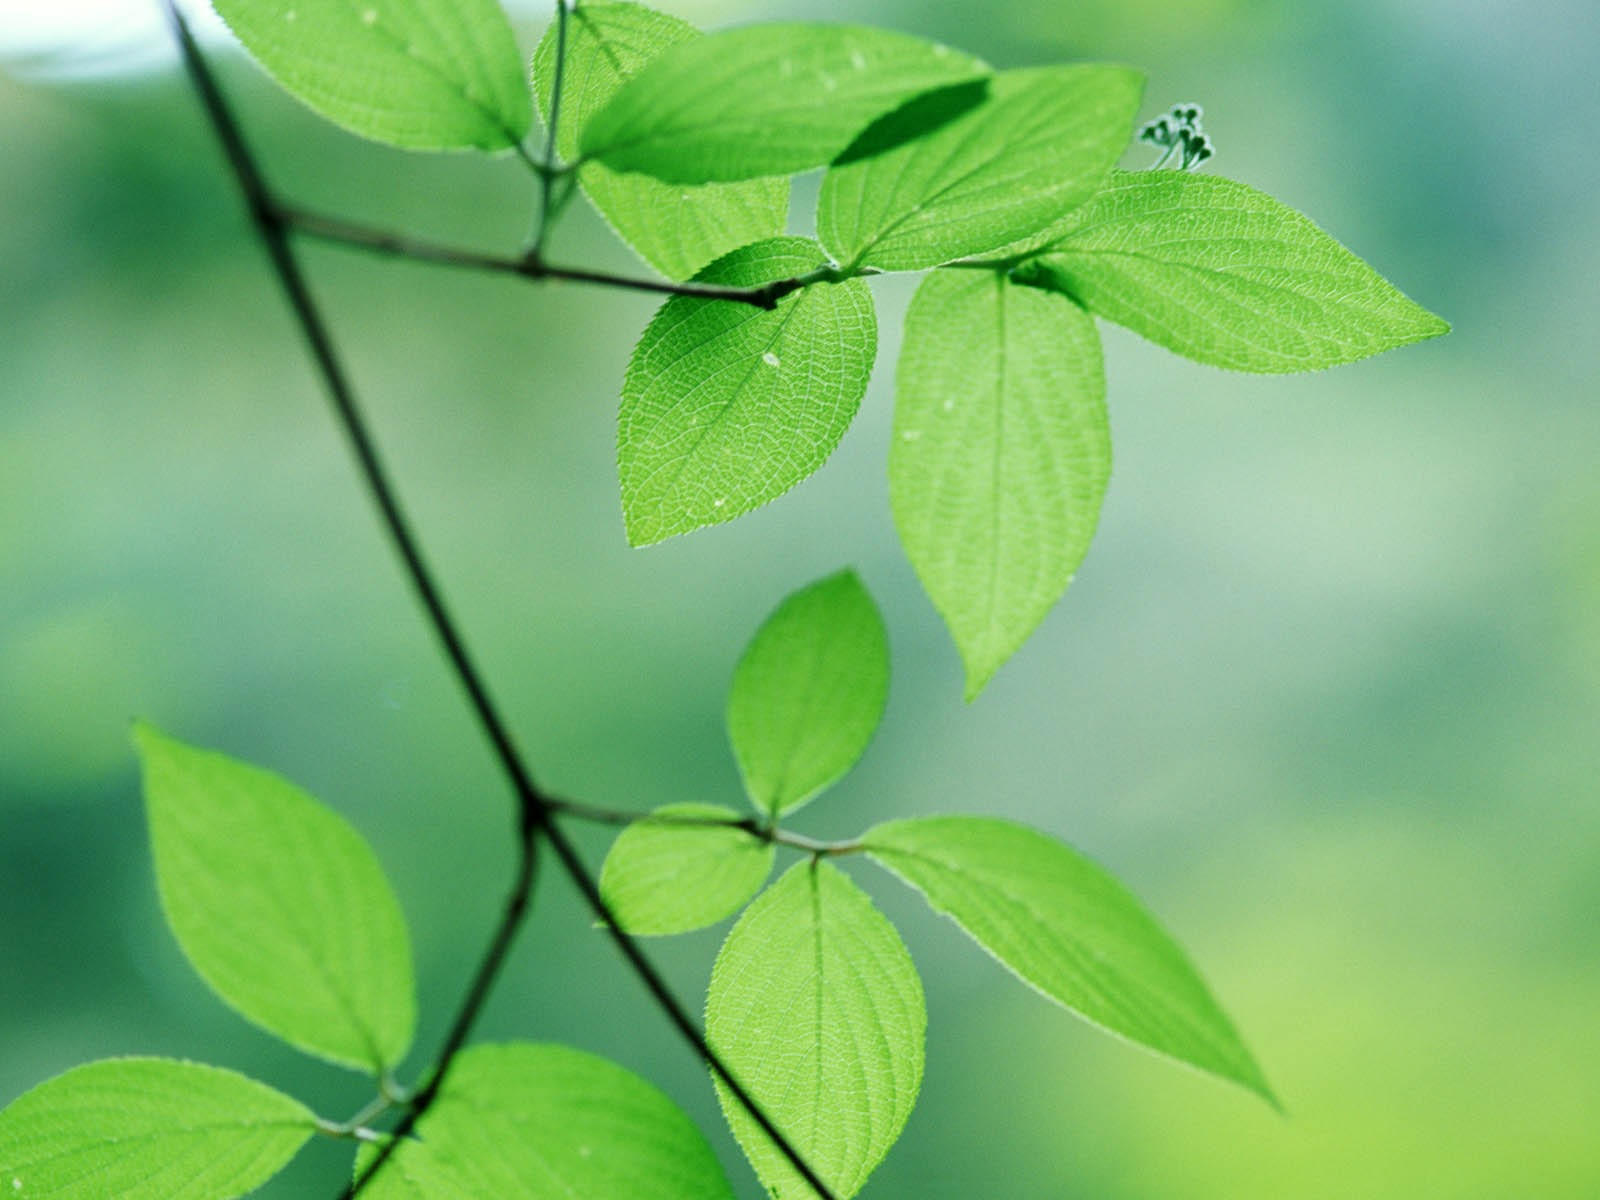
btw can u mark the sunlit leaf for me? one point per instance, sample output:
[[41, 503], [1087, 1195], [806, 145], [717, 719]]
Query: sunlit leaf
[[808, 693], [1000, 457], [679, 869], [148, 1129], [767, 99], [676, 228], [817, 1010], [1038, 146], [1226, 275], [727, 406], [280, 905], [422, 74], [522, 1121], [1069, 929]]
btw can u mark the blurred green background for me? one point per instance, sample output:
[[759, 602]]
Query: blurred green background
[[1325, 692]]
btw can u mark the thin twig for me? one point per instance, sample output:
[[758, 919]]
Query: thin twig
[[751, 825], [547, 176], [534, 807], [399, 245]]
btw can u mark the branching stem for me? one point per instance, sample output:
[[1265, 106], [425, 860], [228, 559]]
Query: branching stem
[[534, 808], [751, 825]]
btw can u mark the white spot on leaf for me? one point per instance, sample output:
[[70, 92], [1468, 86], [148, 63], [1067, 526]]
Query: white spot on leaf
[[369, 16], [857, 60], [770, 359]]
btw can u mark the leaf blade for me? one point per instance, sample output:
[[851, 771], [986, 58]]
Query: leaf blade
[[1228, 276], [677, 229], [1038, 146], [808, 693], [537, 1121], [1070, 930], [418, 74], [1000, 456], [664, 875], [280, 905], [148, 1129], [812, 967], [767, 99], [726, 406]]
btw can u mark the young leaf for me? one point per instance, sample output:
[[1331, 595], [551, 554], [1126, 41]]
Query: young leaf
[[764, 100], [1039, 146], [148, 1129], [808, 693], [1000, 457], [665, 875], [421, 74], [522, 1121], [1225, 275], [727, 406], [1066, 927], [817, 1010], [676, 229], [279, 904]]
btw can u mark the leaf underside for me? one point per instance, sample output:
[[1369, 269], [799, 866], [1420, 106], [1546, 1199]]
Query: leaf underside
[[816, 1008], [808, 693], [1226, 275], [1069, 929], [676, 228], [1000, 457]]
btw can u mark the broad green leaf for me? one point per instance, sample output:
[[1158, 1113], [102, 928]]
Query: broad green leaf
[[148, 1129], [1066, 927], [676, 229], [817, 1010], [1226, 275], [279, 904], [1000, 457], [808, 693], [764, 100], [727, 406], [421, 74], [524, 1121], [678, 870], [1040, 145]]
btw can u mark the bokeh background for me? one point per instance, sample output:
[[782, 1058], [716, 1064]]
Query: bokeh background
[[1325, 692]]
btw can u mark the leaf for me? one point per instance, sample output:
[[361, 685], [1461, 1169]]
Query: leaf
[[1000, 457], [1067, 928], [727, 406], [524, 1121], [1226, 275], [817, 1010], [767, 99], [674, 228], [1039, 146], [666, 875], [148, 1129], [420, 74], [808, 693], [279, 905]]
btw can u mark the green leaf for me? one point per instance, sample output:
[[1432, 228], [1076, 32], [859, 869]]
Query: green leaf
[[279, 904], [421, 74], [148, 1129], [667, 875], [727, 406], [808, 693], [522, 1121], [1066, 927], [817, 1010], [1226, 275], [764, 100], [1039, 146], [674, 228], [1000, 457]]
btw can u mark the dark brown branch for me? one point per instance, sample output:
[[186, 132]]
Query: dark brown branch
[[534, 806], [398, 245]]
